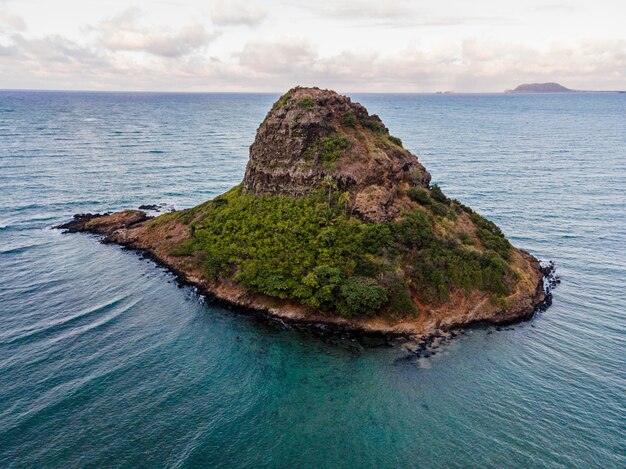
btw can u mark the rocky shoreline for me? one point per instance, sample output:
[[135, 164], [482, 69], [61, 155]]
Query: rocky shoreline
[[114, 229]]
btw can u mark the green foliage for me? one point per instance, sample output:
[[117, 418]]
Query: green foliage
[[439, 209], [490, 235], [332, 147], [400, 303], [415, 230], [282, 100], [186, 248], [306, 103], [437, 194], [349, 119], [499, 300], [361, 296], [312, 250], [302, 248], [373, 124], [466, 238], [438, 270], [396, 141]]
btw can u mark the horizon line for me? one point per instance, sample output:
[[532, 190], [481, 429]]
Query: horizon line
[[445, 93]]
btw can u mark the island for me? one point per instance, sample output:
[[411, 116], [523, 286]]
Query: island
[[337, 225], [541, 88]]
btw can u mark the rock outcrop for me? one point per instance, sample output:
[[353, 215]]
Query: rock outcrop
[[316, 139]]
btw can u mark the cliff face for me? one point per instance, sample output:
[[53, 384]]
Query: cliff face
[[316, 139]]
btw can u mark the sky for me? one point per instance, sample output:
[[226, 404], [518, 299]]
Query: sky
[[347, 45]]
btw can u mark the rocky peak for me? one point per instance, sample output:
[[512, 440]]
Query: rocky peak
[[316, 139]]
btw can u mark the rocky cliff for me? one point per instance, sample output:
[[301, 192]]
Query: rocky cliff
[[316, 139]]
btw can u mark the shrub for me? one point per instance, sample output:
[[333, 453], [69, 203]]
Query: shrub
[[361, 296], [332, 147], [438, 270], [396, 141], [414, 231], [490, 235], [419, 195], [373, 124], [437, 194], [185, 248], [282, 100], [349, 119], [306, 103], [400, 302], [439, 209], [466, 238]]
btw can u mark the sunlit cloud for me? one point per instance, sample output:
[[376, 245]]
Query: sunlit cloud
[[123, 33], [11, 22], [232, 12]]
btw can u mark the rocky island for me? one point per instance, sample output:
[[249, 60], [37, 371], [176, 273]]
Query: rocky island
[[336, 223], [541, 88]]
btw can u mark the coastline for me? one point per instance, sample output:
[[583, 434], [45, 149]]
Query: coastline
[[127, 229]]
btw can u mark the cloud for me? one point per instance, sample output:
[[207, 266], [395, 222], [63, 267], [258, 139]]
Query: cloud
[[555, 8], [470, 65], [122, 33], [364, 9], [277, 58], [396, 14], [228, 12], [11, 22], [53, 49], [475, 64]]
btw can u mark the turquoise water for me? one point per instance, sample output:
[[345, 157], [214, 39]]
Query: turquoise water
[[105, 361]]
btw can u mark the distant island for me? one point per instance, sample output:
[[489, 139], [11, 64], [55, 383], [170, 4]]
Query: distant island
[[541, 88], [336, 223]]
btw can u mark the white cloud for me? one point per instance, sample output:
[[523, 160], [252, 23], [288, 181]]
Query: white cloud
[[11, 22], [123, 33], [365, 8], [229, 12], [277, 58]]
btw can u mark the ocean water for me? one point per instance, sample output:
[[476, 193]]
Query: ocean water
[[105, 361]]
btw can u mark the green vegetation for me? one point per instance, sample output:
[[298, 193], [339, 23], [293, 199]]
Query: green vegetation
[[419, 195], [306, 103], [282, 100], [438, 195], [349, 119], [373, 124], [312, 250], [395, 140], [332, 147], [489, 234]]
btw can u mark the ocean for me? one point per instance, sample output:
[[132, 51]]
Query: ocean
[[106, 361]]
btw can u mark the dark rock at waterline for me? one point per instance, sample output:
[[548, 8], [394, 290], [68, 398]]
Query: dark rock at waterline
[[153, 207], [77, 223]]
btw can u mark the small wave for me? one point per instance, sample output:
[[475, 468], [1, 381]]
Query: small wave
[[18, 250], [155, 151], [84, 315]]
